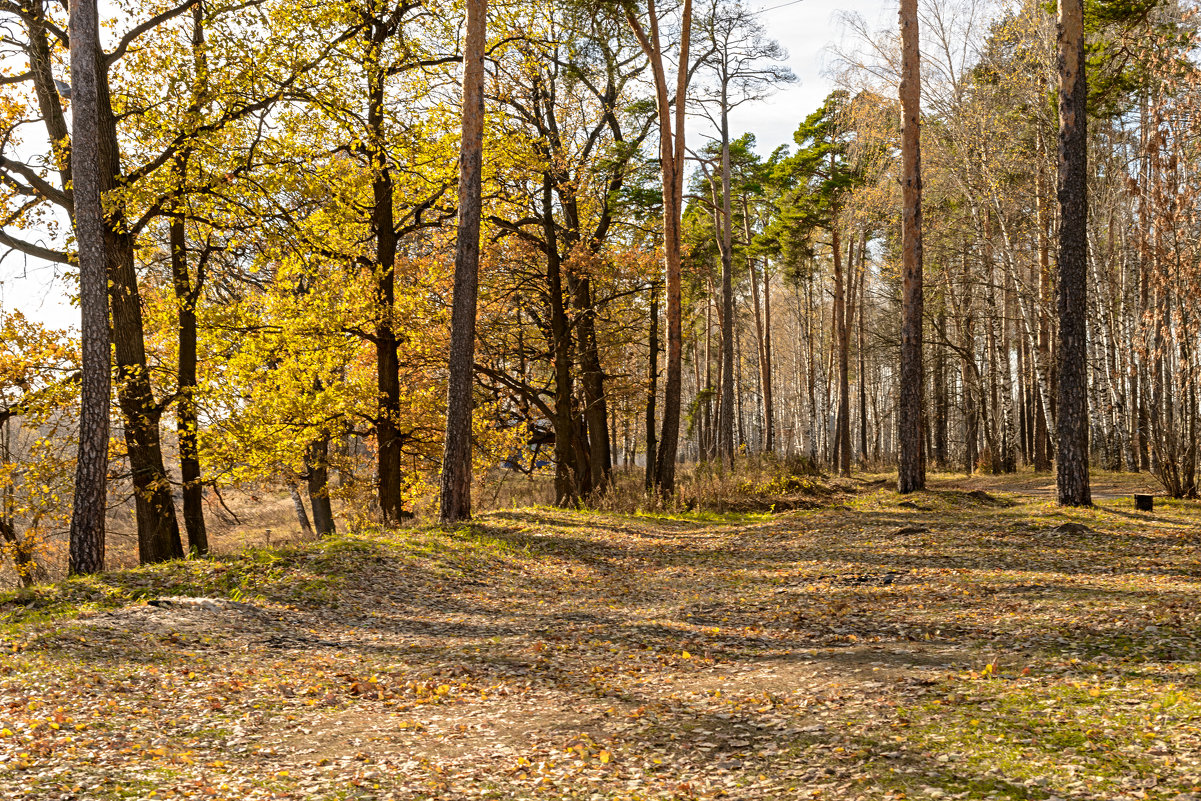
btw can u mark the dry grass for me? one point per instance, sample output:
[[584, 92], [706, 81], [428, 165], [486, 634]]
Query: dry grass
[[263, 515], [250, 517], [753, 484]]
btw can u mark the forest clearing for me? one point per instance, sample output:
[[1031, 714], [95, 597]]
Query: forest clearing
[[600, 399], [985, 644]]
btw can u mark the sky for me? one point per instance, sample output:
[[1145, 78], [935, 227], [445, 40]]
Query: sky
[[806, 28], [37, 290]]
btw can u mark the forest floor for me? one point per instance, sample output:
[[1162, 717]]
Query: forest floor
[[966, 642]]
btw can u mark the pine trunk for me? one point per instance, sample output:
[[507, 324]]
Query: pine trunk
[[455, 504], [912, 467], [1072, 418], [86, 554]]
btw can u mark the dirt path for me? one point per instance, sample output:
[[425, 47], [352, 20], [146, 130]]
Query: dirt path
[[870, 651]]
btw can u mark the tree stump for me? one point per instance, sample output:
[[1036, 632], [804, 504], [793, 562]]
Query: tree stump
[[1144, 503]]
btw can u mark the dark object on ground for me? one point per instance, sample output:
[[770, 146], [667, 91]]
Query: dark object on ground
[[1144, 503], [183, 602], [1072, 528], [910, 530], [875, 579], [912, 505]]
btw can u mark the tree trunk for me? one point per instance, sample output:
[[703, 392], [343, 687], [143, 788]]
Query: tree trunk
[[86, 548], [1042, 350], [389, 439], [769, 400], [302, 516], [707, 449], [739, 405], [317, 467], [593, 379], [568, 467], [811, 359], [967, 344], [940, 393], [842, 334], [1072, 419], [158, 527], [671, 156], [652, 394], [912, 467], [993, 366], [187, 295], [456, 463], [861, 348], [725, 432], [186, 417], [762, 337]]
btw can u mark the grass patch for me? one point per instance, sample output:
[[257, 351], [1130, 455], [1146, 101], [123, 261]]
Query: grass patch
[[309, 573]]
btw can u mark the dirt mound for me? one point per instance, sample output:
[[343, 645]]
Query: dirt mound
[[184, 615], [976, 497]]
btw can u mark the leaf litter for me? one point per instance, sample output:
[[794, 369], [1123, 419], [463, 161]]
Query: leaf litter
[[994, 653]]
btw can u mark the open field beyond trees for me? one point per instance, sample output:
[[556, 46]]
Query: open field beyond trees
[[963, 642]]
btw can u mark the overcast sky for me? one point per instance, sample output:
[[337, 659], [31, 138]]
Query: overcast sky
[[805, 27]]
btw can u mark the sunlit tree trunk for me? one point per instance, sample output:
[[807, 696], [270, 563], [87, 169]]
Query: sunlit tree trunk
[[91, 467], [762, 335], [769, 391], [940, 392], [1072, 477], [302, 516], [967, 344], [456, 462], [671, 156], [725, 442]]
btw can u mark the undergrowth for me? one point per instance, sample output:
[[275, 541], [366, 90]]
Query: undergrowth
[[763, 483]]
